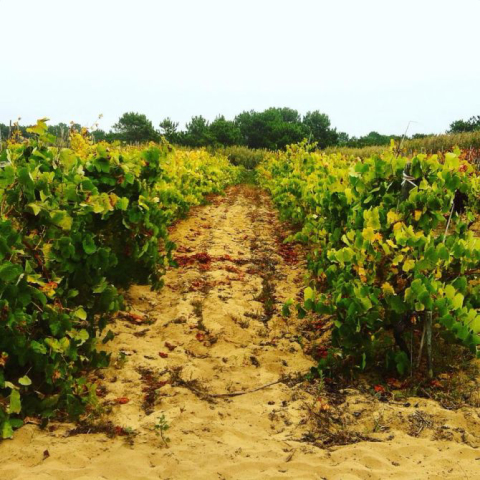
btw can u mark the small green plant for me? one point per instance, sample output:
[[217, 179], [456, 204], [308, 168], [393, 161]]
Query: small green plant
[[161, 428], [129, 431], [321, 384], [121, 360]]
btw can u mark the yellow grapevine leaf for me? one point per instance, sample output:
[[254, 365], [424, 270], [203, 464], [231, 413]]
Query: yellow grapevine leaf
[[392, 217], [388, 289], [408, 265], [368, 234]]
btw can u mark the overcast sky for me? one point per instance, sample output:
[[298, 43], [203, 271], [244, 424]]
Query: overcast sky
[[368, 64]]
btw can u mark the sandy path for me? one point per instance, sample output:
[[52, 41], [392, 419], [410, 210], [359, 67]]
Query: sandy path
[[217, 327]]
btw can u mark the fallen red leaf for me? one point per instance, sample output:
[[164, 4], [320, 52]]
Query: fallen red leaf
[[32, 420], [379, 389], [232, 269], [200, 336], [101, 392], [122, 400], [135, 317], [163, 354], [322, 352]]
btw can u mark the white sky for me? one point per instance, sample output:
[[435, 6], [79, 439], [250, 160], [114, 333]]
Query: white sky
[[368, 64]]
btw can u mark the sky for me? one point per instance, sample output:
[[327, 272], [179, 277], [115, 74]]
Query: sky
[[368, 64]]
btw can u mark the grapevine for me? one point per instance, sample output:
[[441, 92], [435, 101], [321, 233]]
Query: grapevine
[[76, 225], [390, 245]]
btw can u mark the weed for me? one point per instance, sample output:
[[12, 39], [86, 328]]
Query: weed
[[121, 360], [161, 428], [198, 312]]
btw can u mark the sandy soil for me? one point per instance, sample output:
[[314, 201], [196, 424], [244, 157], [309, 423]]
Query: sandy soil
[[214, 331]]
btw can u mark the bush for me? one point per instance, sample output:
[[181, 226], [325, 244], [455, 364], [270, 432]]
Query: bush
[[243, 156]]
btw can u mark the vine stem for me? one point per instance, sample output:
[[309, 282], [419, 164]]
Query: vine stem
[[449, 219], [422, 341], [428, 325]]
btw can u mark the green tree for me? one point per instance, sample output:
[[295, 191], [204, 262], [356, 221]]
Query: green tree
[[101, 135], [460, 126], [135, 128], [4, 131], [273, 128], [197, 133], [225, 132], [375, 138], [417, 136], [319, 129], [343, 139], [372, 139], [59, 130], [169, 130]]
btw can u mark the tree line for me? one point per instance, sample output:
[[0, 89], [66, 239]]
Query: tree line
[[271, 129]]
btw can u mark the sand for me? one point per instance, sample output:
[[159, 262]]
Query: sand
[[215, 331]]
